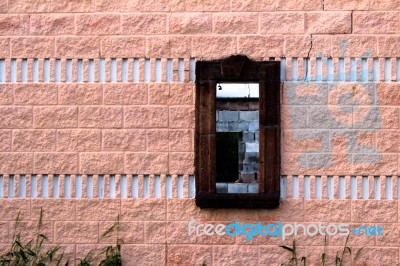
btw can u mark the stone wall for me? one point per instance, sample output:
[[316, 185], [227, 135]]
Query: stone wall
[[97, 87]]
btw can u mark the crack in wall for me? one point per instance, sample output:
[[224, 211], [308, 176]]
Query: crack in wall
[[306, 67]]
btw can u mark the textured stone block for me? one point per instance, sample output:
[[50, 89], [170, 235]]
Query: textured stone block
[[159, 93], [181, 140], [300, 46], [379, 211], [16, 163], [158, 47], [217, 46], [181, 163], [10, 209], [128, 233], [4, 48], [80, 94], [34, 140], [143, 254], [306, 140], [180, 46], [53, 209], [98, 24], [31, 47], [368, 255], [124, 140], [155, 232], [328, 22], [76, 232], [72, 5], [190, 24], [100, 117], [14, 24], [388, 46], [121, 47], [346, 5], [181, 117], [184, 254], [304, 93], [146, 163], [282, 23], [79, 140], [388, 93], [35, 94], [101, 163], [354, 46], [146, 117], [388, 141], [260, 46], [77, 47], [322, 117], [299, 5], [120, 6], [6, 93], [157, 140], [294, 117], [161, 5], [29, 6], [125, 94], [144, 24], [5, 140], [226, 23], [56, 163], [376, 22], [15, 117], [143, 209], [322, 210], [97, 209], [385, 5], [376, 164], [181, 94], [235, 255], [250, 5], [51, 24], [55, 117]]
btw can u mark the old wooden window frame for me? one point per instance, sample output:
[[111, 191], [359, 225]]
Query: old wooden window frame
[[239, 69]]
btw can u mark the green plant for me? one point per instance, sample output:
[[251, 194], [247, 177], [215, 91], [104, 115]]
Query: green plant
[[30, 253], [339, 260], [293, 261], [112, 253]]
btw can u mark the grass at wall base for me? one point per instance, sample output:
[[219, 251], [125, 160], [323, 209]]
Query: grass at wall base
[[34, 253]]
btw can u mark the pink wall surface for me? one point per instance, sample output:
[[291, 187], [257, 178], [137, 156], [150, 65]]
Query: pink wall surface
[[97, 120]]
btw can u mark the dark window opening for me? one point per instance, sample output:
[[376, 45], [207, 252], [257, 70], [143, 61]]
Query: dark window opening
[[237, 145]]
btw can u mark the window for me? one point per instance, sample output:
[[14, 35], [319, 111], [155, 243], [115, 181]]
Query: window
[[237, 133]]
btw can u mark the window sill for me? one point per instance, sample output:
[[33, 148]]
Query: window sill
[[233, 200]]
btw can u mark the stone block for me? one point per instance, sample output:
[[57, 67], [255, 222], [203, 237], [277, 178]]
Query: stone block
[[237, 188], [249, 115], [222, 187], [254, 126], [248, 137], [228, 116]]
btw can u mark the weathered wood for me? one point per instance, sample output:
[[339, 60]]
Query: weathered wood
[[238, 68]]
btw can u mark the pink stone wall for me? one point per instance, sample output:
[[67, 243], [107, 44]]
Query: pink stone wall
[[331, 127]]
